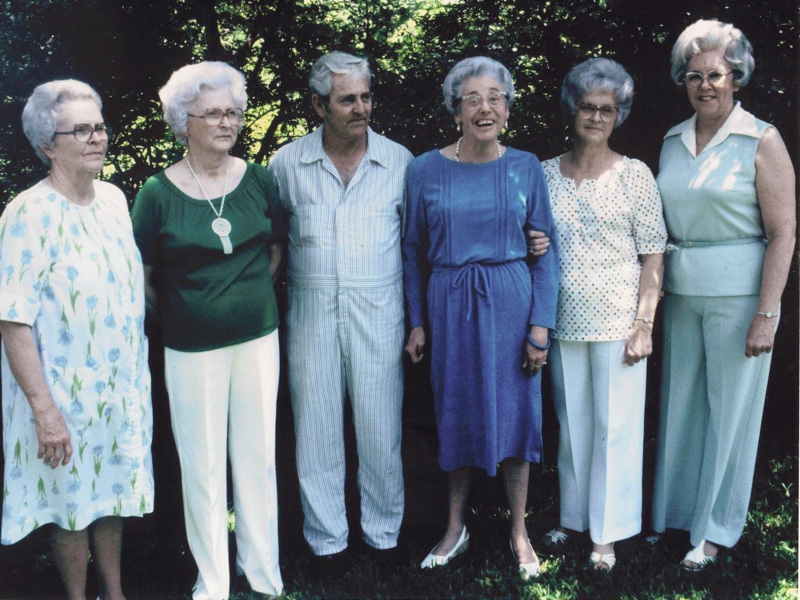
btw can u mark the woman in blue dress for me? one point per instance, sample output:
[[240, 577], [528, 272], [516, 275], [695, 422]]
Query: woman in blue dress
[[486, 311]]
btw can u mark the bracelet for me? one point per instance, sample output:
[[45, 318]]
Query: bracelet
[[537, 346], [768, 314], [644, 319]]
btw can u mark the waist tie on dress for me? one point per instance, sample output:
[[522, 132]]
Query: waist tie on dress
[[471, 276], [679, 244]]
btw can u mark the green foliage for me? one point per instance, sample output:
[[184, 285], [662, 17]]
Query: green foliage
[[128, 48]]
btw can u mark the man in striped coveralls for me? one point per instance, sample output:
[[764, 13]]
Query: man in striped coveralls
[[343, 185]]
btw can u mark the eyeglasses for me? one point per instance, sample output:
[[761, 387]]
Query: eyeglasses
[[588, 110], [83, 131], [214, 116], [474, 101], [693, 79]]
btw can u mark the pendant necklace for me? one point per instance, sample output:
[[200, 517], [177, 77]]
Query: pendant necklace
[[220, 226]]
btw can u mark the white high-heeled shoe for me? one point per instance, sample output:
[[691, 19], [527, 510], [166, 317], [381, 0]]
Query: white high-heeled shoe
[[529, 570], [435, 560]]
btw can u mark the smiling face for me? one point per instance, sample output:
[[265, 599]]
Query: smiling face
[[595, 129], [483, 123], [347, 110], [68, 154], [204, 137], [712, 101]]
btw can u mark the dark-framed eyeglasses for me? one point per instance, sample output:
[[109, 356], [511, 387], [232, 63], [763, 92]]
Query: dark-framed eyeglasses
[[694, 79], [214, 116], [608, 112], [474, 101], [83, 131]]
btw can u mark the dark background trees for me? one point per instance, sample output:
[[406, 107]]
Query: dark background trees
[[127, 49]]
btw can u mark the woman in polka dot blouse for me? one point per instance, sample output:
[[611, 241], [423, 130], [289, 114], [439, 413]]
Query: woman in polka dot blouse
[[611, 237]]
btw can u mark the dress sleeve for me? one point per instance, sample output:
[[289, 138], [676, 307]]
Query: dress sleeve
[[27, 251], [416, 269], [146, 218], [649, 231], [543, 269]]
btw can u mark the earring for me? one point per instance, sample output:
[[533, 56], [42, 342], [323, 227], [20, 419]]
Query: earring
[[458, 126]]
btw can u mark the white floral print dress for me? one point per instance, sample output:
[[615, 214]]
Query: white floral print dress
[[75, 275]]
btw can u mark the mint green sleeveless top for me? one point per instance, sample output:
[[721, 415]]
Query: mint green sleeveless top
[[717, 240]]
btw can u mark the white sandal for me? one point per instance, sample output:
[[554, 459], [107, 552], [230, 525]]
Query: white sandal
[[555, 539], [604, 563], [699, 557]]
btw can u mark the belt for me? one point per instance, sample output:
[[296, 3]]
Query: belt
[[680, 244]]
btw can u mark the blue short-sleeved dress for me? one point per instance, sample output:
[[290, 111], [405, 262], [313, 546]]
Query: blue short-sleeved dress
[[464, 268]]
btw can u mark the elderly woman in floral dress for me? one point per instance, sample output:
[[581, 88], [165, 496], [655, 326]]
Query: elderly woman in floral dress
[[77, 423]]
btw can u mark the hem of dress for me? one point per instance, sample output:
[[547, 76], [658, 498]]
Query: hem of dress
[[125, 514], [534, 458]]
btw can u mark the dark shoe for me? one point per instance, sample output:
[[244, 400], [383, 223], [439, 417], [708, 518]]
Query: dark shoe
[[330, 566], [387, 559]]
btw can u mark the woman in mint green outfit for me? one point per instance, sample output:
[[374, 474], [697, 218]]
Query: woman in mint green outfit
[[727, 186]]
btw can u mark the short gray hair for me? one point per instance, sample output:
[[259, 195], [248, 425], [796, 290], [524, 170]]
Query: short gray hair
[[707, 36], [320, 79], [476, 66], [598, 75], [41, 113], [186, 84]]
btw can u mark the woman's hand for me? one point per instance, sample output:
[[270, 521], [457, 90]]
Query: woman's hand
[[639, 344], [760, 336], [55, 445], [538, 242], [416, 344], [534, 359], [23, 358]]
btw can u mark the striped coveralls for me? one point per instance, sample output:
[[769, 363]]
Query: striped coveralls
[[345, 332]]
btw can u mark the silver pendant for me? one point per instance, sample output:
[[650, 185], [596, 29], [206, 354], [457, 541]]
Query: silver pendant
[[220, 226]]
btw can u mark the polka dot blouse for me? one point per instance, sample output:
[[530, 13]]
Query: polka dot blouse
[[603, 226]]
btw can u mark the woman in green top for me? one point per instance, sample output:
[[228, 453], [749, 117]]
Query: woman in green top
[[210, 229]]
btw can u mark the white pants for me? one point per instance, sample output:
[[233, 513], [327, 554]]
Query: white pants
[[224, 401], [599, 402]]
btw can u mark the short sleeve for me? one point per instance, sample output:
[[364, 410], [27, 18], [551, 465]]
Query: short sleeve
[[26, 253], [276, 211], [145, 218], [649, 231]]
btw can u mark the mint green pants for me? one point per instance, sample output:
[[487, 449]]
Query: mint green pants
[[712, 399]]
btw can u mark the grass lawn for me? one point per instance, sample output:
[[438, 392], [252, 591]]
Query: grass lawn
[[157, 564]]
